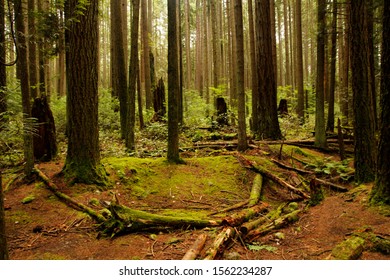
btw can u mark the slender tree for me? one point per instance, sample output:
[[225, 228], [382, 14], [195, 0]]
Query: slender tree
[[23, 75], [381, 190], [133, 73], [299, 59], [173, 84], [146, 55], [332, 84], [3, 74], [364, 124], [253, 62], [242, 141], [83, 156], [320, 135], [32, 50], [118, 65]]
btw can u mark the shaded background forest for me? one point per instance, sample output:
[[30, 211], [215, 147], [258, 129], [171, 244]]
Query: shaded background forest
[[250, 53]]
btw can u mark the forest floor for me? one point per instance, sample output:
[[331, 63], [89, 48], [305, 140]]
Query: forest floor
[[39, 226]]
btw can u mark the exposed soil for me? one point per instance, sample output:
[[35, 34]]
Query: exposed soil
[[46, 228]]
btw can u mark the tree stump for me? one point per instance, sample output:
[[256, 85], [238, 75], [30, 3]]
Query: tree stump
[[222, 117], [159, 102], [44, 139], [283, 108]]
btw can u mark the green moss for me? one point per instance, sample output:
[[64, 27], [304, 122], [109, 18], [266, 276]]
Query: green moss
[[28, 199], [19, 217], [86, 174], [211, 176], [350, 249]]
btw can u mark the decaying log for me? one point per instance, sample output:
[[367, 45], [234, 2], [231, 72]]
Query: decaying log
[[316, 193], [127, 220], [298, 170], [256, 190], [194, 251], [350, 249], [333, 186], [276, 224], [245, 215], [258, 169], [222, 238], [230, 208], [250, 225], [67, 199]]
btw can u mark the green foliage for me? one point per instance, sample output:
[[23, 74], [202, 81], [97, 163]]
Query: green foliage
[[255, 246], [196, 109], [333, 168]]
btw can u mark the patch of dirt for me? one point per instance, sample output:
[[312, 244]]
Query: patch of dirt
[[48, 229]]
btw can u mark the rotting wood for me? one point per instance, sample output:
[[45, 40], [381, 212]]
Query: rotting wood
[[276, 224], [333, 186], [298, 170], [245, 215], [250, 225], [230, 208], [258, 169], [196, 248], [67, 199], [127, 220], [256, 190], [222, 238]]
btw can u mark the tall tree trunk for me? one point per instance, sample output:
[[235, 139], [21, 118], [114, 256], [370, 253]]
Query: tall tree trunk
[[133, 73], [83, 156], [3, 237], [299, 74], [286, 43], [381, 190], [320, 134], [364, 124], [3, 73], [242, 142], [118, 65], [253, 63], [23, 75], [345, 69], [145, 54], [173, 84], [61, 81], [32, 50], [332, 84], [188, 45], [267, 107]]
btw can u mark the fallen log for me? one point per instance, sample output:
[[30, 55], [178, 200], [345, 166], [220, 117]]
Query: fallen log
[[230, 208], [222, 238], [196, 248], [276, 224], [300, 171], [127, 220], [67, 199], [250, 225], [256, 190], [245, 215], [333, 186], [258, 169]]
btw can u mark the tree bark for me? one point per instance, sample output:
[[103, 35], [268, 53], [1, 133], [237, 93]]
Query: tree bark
[[83, 156], [320, 134], [173, 84], [23, 76], [133, 74], [195, 250], [381, 190], [268, 116], [118, 65], [145, 54], [3, 74], [220, 241], [256, 190], [364, 124], [242, 140], [299, 55]]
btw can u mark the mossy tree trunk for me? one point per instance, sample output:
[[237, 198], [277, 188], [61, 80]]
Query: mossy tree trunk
[[364, 123], [3, 76], [381, 190], [83, 157]]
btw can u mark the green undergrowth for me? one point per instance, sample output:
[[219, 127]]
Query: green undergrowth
[[217, 177]]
